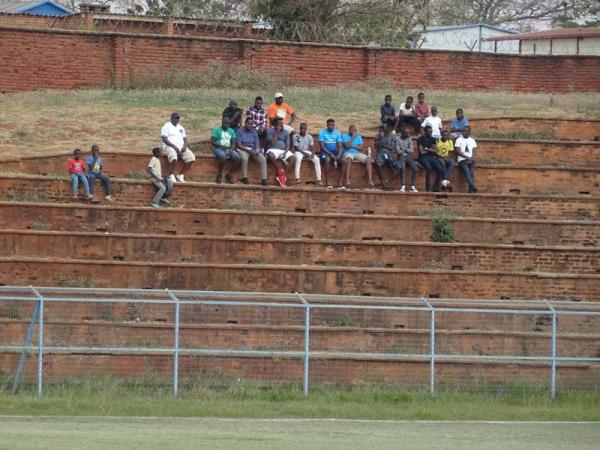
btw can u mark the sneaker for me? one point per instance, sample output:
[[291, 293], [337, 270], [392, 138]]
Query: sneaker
[[172, 178], [165, 201], [245, 180], [155, 205], [109, 198], [413, 189], [180, 178], [281, 178], [90, 197], [295, 182], [403, 188], [75, 197], [229, 178], [218, 179]]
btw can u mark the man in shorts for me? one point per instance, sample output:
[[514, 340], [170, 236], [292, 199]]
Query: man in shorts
[[223, 141], [278, 150], [175, 147], [385, 144], [353, 150], [330, 143], [303, 144]]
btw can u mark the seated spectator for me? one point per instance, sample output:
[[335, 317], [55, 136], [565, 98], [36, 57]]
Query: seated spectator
[[280, 110], [223, 141], [385, 144], [95, 166], [421, 108], [304, 148], [408, 116], [330, 142], [428, 159], [164, 185], [258, 116], [249, 147], [435, 122], [77, 171], [458, 124], [387, 110], [175, 147], [406, 158], [466, 149], [353, 150], [278, 150], [444, 147], [233, 114]]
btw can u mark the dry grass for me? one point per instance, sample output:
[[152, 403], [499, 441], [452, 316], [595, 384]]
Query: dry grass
[[129, 120]]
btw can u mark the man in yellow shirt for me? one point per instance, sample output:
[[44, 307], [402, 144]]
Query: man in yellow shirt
[[445, 154]]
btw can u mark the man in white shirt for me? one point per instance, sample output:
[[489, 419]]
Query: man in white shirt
[[175, 148], [303, 144], [435, 122], [466, 149]]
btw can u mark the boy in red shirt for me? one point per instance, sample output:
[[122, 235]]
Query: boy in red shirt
[[77, 169]]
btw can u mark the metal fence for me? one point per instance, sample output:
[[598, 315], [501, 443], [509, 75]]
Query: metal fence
[[185, 340]]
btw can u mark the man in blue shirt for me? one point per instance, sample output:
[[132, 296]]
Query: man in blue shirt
[[458, 124], [248, 146], [352, 145], [94, 164], [330, 141]]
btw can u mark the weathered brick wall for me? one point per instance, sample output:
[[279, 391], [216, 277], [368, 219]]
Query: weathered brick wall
[[52, 59]]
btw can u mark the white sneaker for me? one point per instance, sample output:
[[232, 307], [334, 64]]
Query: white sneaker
[[403, 188], [413, 189], [172, 178], [180, 178]]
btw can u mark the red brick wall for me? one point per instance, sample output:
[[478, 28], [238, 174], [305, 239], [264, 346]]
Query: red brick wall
[[52, 59]]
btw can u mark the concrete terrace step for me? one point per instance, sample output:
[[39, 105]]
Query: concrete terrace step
[[300, 278], [270, 250], [353, 201], [366, 227]]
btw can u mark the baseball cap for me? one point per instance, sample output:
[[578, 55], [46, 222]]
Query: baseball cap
[[175, 114], [278, 94]]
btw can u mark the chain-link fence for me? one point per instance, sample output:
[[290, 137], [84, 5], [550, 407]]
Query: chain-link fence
[[172, 341]]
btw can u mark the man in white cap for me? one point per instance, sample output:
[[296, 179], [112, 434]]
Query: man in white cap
[[174, 147], [280, 110]]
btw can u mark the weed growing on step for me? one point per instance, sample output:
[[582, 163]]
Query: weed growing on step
[[238, 206], [76, 282], [26, 196], [445, 210], [443, 229], [40, 225], [136, 175]]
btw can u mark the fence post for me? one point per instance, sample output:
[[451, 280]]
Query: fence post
[[306, 343], [40, 366], [176, 341], [431, 347], [553, 350]]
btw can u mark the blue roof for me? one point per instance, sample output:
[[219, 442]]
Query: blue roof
[[463, 27], [40, 8]]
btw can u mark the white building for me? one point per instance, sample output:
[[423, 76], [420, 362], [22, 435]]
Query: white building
[[561, 41], [467, 38]]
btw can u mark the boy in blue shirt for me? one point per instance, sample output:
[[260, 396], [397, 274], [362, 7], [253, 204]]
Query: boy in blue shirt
[[352, 144], [95, 166], [458, 124], [330, 141]]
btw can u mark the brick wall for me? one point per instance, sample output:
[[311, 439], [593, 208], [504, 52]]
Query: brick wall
[[53, 59]]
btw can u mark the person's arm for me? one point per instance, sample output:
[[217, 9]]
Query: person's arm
[[474, 155], [459, 152], [90, 165], [324, 149], [170, 144], [233, 139], [292, 114], [214, 138], [239, 145]]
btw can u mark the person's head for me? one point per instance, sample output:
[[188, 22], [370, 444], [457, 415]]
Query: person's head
[[277, 123], [434, 111], [421, 97], [387, 99], [427, 130], [303, 128], [352, 129], [156, 152], [279, 98], [95, 150], [409, 101], [258, 102], [404, 133], [466, 131], [175, 117], [225, 123], [445, 135], [233, 103], [460, 113], [330, 124], [77, 153], [248, 123]]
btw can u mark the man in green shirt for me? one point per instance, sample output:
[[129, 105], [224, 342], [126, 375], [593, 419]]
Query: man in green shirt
[[223, 140]]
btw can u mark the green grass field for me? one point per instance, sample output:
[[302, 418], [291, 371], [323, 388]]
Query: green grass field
[[146, 433]]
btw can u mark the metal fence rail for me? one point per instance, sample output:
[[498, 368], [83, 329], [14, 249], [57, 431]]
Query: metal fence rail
[[187, 338]]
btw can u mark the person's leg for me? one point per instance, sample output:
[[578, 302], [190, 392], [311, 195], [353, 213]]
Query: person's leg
[[75, 185], [438, 166], [244, 157], [467, 173], [290, 161], [171, 156], [449, 168], [106, 183], [91, 177], [234, 160], [169, 188], [402, 169], [188, 159], [220, 155], [326, 161], [317, 163], [86, 186], [262, 163], [297, 165], [414, 168], [161, 188], [346, 169], [425, 162]]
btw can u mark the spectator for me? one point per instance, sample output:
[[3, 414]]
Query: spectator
[[387, 111], [330, 143], [353, 150], [444, 147], [223, 140], [458, 124], [428, 159], [304, 147], [258, 116], [248, 146], [466, 149], [435, 122], [174, 147], [164, 185], [385, 144], [95, 166], [406, 157], [77, 173], [278, 145], [408, 116], [233, 114], [280, 110], [421, 108]]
